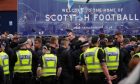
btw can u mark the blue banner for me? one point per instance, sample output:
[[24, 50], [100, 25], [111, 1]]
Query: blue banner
[[54, 17]]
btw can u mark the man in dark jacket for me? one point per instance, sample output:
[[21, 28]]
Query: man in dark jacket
[[66, 76], [38, 52]]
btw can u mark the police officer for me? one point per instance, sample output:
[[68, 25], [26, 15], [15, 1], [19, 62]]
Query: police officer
[[22, 60], [4, 64], [137, 50], [48, 67], [134, 62], [94, 59], [112, 58], [83, 70]]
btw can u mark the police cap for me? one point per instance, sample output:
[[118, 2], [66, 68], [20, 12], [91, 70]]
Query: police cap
[[22, 40]]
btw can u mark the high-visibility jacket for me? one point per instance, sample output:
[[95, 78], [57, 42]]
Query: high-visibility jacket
[[112, 57], [24, 61], [82, 70], [49, 65], [92, 61], [138, 54], [4, 62]]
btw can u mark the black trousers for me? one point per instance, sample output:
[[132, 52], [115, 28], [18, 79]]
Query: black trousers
[[22, 78], [79, 79], [66, 78], [7, 79], [96, 78], [48, 80]]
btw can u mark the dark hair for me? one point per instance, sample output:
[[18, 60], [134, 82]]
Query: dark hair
[[68, 30], [63, 41], [101, 36], [133, 39], [39, 40], [126, 40], [94, 39], [110, 38]]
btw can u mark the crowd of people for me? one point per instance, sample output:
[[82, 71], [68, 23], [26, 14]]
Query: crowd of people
[[70, 59]]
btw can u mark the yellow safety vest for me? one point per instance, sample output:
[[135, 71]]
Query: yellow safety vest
[[82, 70], [49, 65], [4, 62], [138, 54], [24, 61], [92, 61], [112, 57]]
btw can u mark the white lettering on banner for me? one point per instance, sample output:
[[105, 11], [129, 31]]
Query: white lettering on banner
[[114, 17], [86, 18], [59, 17], [119, 17], [101, 17], [65, 17], [136, 17], [53, 17], [125, 17], [95, 17], [47, 18], [107, 17]]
